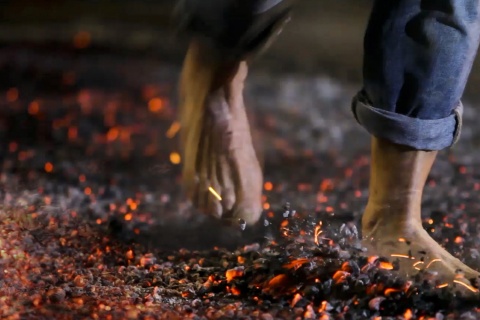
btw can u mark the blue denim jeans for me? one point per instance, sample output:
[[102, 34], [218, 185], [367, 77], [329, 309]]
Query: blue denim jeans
[[418, 56]]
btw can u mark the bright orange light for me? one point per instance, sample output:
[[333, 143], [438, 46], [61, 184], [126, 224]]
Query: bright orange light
[[155, 105], [48, 167], [268, 186], [175, 158], [113, 134]]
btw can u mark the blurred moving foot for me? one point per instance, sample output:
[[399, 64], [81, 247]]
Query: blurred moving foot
[[221, 172]]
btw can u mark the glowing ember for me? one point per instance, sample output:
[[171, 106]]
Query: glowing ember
[[175, 158], [408, 314], [233, 273], [48, 167], [268, 186], [12, 94], [296, 299], [385, 265], [82, 40], [318, 231], [295, 264], [155, 105]]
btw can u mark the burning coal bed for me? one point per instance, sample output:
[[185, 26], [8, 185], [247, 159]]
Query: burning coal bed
[[93, 224]]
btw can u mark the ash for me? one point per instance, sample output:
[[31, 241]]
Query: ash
[[94, 224]]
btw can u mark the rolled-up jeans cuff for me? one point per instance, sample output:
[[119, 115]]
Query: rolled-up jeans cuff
[[420, 134]]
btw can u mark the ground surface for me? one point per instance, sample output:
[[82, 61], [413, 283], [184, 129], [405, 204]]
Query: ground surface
[[94, 224]]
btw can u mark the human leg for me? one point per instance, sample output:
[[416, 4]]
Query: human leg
[[221, 172], [418, 55]]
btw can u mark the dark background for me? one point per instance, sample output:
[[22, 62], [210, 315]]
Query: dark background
[[325, 36]]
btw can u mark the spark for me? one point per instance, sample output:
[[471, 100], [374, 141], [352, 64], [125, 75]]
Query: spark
[[433, 261], [215, 193], [402, 240], [416, 264], [402, 256], [469, 287], [173, 130], [443, 285], [318, 231]]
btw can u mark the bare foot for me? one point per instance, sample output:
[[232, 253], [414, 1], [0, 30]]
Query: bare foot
[[417, 254], [229, 178], [221, 171]]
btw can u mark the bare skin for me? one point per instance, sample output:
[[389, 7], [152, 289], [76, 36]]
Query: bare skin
[[392, 224], [219, 157]]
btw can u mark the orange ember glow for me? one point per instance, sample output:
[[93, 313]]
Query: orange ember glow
[[233, 273], [175, 158], [296, 299], [268, 186], [12, 94], [82, 40], [113, 134], [295, 264], [279, 281], [33, 108], [318, 231], [48, 167], [128, 217], [323, 307], [173, 130], [129, 255], [372, 259], [309, 313], [340, 276], [458, 240], [72, 133], [235, 291], [408, 314], [386, 265], [155, 105], [389, 291]]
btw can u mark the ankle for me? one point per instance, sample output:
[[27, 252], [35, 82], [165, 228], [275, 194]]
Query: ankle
[[390, 217]]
